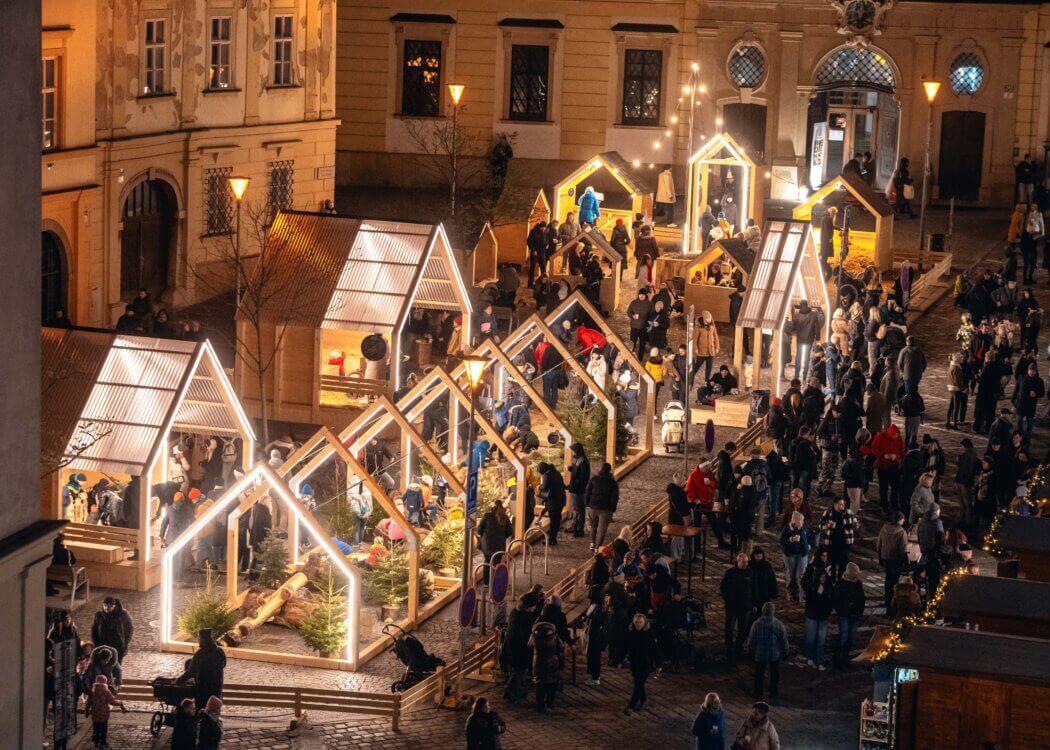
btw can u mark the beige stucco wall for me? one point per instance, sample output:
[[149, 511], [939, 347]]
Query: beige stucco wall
[[921, 39], [111, 137]]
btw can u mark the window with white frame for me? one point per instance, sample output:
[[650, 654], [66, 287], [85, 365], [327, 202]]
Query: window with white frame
[[220, 53], [282, 51], [49, 103], [156, 57]]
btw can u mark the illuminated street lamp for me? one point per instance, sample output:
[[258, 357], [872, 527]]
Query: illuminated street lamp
[[239, 186], [931, 88], [455, 91]]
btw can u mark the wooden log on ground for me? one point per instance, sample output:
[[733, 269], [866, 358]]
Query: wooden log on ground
[[296, 610], [267, 609]]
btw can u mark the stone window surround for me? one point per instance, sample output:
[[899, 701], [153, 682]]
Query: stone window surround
[[550, 38], [53, 44], [432, 32], [666, 43]]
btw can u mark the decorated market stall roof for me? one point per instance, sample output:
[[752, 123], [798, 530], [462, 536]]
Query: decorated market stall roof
[[975, 653], [990, 595], [596, 239], [874, 201], [734, 247], [787, 264], [518, 203], [358, 274], [109, 400], [1029, 533], [632, 178]]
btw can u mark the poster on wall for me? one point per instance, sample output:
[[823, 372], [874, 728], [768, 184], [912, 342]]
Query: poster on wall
[[816, 159]]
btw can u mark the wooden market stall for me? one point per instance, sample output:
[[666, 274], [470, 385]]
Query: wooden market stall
[[786, 272], [723, 153], [1027, 539], [635, 179], [1008, 606], [535, 330], [484, 258], [340, 291], [576, 306], [259, 482], [709, 280], [971, 689], [562, 262], [112, 408], [517, 211], [870, 234]]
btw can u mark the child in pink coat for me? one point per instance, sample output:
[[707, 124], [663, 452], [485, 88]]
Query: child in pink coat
[[98, 702]]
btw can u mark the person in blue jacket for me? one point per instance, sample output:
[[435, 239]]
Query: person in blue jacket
[[709, 726], [590, 209]]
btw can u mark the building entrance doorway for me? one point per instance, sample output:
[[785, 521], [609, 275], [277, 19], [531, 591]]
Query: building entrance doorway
[[148, 233], [854, 110]]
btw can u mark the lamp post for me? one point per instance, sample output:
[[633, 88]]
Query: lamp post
[[475, 367], [239, 186], [455, 91], [931, 88]]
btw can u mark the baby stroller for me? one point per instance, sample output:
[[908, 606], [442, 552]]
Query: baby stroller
[[672, 427], [410, 651], [168, 693]]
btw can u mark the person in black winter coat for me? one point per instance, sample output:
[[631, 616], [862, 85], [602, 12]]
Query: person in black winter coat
[[601, 498], [484, 726], [579, 476], [553, 613], [206, 668], [113, 627], [849, 600], [514, 656], [597, 632], [552, 491], [643, 658], [184, 734], [764, 581], [738, 590]]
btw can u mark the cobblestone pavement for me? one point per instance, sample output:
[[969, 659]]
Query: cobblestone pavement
[[816, 710]]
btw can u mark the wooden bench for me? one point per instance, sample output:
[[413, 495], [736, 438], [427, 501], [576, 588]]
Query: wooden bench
[[95, 552], [73, 576]]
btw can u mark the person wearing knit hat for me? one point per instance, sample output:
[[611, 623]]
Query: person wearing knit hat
[[99, 700], [849, 601], [210, 723]]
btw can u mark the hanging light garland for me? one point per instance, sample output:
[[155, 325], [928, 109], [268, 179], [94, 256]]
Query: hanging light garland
[[1040, 507], [904, 625], [681, 113]]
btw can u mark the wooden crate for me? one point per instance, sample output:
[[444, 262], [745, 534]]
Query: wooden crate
[[728, 411]]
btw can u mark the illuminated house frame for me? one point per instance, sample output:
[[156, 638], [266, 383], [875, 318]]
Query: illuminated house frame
[[337, 280], [788, 269], [697, 187], [609, 289], [122, 397], [629, 175], [231, 504]]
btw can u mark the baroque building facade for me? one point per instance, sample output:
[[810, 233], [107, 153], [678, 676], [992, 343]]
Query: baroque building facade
[[802, 84], [147, 107]]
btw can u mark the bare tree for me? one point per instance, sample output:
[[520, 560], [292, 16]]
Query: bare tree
[[267, 294], [58, 449]]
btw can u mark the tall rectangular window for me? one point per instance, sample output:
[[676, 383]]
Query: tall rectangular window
[[156, 57], [282, 51], [49, 103], [280, 186], [421, 78], [642, 79], [529, 65], [218, 201], [220, 53]]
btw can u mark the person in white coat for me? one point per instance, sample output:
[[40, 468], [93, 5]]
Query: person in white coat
[[665, 195], [359, 499], [597, 368]]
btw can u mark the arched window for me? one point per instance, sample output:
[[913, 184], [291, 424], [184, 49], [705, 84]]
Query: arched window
[[857, 67], [747, 66], [966, 73], [53, 277]]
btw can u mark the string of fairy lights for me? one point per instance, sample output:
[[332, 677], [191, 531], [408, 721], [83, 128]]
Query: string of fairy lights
[[903, 626], [688, 104]]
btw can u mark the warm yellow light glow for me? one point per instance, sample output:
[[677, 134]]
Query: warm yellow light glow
[[475, 367], [668, 132], [718, 122], [686, 90], [695, 66], [703, 89], [931, 88], [768, 175], [455, 90], [636, 163], [239, 186], [656, 144], [674, 119]]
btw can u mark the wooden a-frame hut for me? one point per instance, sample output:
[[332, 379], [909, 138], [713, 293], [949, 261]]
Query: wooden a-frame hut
[[736, 260], [717, 152], [517, 211], [850, 187], [631, 176], [561, 265]]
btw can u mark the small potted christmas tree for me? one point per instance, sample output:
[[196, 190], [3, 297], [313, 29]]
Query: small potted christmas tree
[[324, 630]]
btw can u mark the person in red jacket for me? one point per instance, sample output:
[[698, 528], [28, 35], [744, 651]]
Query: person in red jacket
[[590, 339], [540, 349], [888, 447], [700, 489]]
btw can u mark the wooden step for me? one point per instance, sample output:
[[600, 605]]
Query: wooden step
[[95, 552]]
